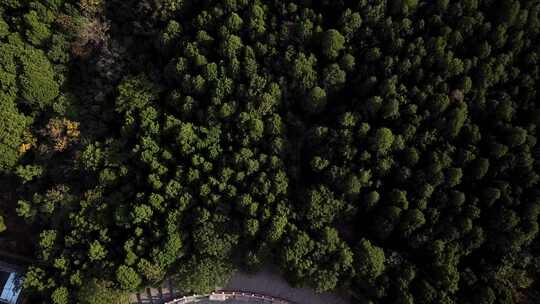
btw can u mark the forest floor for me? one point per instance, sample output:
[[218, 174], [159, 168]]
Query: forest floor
[[16, 240]]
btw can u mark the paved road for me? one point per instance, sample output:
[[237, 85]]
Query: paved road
[[269, 282]]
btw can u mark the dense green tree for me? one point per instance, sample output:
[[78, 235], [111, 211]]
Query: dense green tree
[[97, 252], [322, 207], [303, 73], [128, 278], [60, 296], [370, 260], [411, 220], [163, 138], [135, 93], [382, 140], [202, 276], [12, 126], [315, 100], [37, 80], [332, 43], [38, 32], [101, 292]]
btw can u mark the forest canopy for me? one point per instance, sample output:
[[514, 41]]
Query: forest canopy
[[387, 149]]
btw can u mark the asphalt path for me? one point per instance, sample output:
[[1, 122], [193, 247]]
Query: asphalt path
[[270, 282]]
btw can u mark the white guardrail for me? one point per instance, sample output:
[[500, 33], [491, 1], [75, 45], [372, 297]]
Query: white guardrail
[[221, 296]]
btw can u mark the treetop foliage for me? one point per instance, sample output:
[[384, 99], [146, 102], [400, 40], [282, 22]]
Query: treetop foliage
[[386, 148]]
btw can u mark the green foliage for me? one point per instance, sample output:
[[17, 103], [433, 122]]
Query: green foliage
[[303, 72], [152, 272], [142, 214], [4, 28], [141, 140], [37, 32], [97, 252], [348, 62], [2, 224], [37, 81], [234, 22], [402, 6], [12, 3], [456, 120], [322, 207], [101, 292], [35, 280], [12, 126], [167, 8], [47, 239], [315, 101], [231, 46], [128, 278], [203, 276], [60, 296], [170, 34], [135, 92], [334, 77], [411, 220], [28, 172], [332, 43], [370, 260], [382, 140]]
